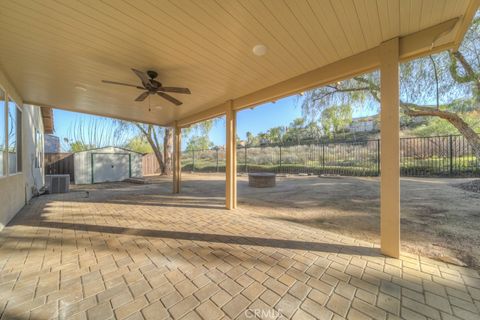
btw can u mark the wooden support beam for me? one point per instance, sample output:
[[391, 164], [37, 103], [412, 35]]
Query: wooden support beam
[[107, 112], [230, 157], [390, 149], [425, 41], [465, 22], [177, 155], [204, 115]]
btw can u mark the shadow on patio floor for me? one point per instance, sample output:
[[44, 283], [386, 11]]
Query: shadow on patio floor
[[216, 238]]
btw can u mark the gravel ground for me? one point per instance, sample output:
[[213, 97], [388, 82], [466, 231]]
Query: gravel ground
[[472, 186]]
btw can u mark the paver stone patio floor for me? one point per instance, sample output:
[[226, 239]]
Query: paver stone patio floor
[[141, 253]]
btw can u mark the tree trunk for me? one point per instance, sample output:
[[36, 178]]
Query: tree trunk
[[168, 151], [465, 130]]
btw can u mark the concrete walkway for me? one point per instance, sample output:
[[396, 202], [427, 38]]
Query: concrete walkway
[[141, 253]]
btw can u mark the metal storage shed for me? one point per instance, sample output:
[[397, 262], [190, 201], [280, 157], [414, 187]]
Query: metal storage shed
[[106, 164]]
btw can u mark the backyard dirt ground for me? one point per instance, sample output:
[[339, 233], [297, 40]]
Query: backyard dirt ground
[[438, 219]]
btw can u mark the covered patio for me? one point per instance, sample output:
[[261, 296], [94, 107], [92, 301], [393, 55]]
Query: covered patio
[[138, 253], [147, 253]]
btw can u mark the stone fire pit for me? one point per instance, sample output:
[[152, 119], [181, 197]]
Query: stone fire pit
[[261, 180]]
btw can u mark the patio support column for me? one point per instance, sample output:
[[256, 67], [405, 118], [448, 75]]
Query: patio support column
[[231, 158], [390, 149], [177, 154]]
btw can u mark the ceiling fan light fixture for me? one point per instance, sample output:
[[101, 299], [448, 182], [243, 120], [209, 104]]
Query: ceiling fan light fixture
[[259, 50]]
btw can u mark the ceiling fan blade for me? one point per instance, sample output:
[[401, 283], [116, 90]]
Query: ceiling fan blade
[[121, 84], [175, 90], [169, 98], [143, 77], [143, 96]]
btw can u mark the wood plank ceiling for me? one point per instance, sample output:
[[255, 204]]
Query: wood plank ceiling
[[57, 53]]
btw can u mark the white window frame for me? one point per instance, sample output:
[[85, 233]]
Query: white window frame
[[5, 163], [18, 113], [5, 152], [38, 149]]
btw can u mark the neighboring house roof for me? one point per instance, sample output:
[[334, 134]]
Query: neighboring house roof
[[365, 119], [47, 117], [51, 144]]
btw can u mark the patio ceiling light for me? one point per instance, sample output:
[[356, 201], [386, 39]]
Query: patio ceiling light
[[81, 88], [259, 50]]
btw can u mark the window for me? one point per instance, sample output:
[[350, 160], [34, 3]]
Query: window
[[14, 122], [39, 149], [3, 161]]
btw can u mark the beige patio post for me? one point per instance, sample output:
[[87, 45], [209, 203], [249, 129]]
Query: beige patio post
[[231, 158], [390, 149], [177, 154]]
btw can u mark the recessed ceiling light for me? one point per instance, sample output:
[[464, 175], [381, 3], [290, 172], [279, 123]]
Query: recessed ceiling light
[[80, 88], [158, 107], [259, 50]]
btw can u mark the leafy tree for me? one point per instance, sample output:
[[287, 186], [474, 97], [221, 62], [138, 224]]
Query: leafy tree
[[275, 135], [438, 126], [139, 144], [250, 138], [336, 118], [313, 130], [263, 138], [434, 86], [295, 131], [78, 146], [197, 136], [199, 143]]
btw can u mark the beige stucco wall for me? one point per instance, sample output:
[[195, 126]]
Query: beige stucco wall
[[16, 190], [32, 121]]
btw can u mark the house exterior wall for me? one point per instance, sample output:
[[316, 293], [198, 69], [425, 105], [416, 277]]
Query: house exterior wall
[[363, 126], [17, 189], [33, 148], [83, 163]]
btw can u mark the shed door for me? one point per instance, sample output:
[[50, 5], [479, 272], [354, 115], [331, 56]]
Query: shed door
[[110, 167]]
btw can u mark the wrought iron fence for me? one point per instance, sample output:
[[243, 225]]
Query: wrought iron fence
[[419, 156]]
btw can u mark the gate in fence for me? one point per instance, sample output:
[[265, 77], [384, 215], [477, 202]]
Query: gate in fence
[[419, 156], [150, 165]]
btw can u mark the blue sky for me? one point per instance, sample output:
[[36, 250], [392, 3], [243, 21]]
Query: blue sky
[[259, 119]]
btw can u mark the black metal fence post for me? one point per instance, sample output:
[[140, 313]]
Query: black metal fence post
[[451, 154], [245, 160], [217, 158], [193, 160], [280, 146], [378, 157], [323, 157]]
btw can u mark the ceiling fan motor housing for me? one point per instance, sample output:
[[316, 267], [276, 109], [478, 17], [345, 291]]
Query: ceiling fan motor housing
[[152, 74]]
